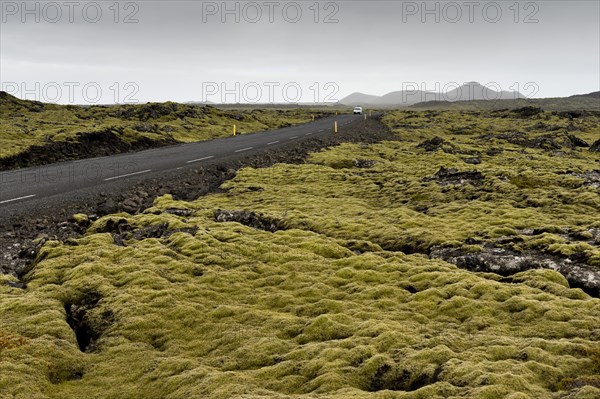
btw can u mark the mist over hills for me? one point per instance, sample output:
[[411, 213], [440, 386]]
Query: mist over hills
[[471, 91]]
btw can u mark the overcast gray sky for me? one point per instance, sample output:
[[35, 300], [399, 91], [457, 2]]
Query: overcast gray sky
[[196, 50]]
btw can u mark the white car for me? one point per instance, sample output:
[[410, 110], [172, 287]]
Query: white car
[[357, 110]]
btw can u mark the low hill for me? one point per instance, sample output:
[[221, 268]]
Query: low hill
[[359, 98], [595, 94], [60, 130], [575, 103]]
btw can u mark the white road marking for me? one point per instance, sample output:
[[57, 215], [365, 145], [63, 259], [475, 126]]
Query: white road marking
[[292, 138], [273, 142], [129, 174], [17, 199], [244, 149], [308, 134], [200, 159]]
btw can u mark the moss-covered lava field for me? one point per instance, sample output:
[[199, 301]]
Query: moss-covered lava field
[[459, 260]]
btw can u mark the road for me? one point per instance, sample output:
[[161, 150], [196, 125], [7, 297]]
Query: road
[[36, 183]]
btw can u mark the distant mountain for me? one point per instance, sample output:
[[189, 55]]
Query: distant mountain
[[471, 91], [359, 98], [474, 91], [595, 94], [406, 97], [390, 99]]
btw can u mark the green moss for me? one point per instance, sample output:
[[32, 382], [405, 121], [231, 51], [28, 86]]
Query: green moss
[[325, 328], [80, 218], [541, 276], [332, 306], [571, 249], [472, 248]]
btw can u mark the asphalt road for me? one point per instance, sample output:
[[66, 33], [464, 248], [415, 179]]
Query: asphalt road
[[18, 187]]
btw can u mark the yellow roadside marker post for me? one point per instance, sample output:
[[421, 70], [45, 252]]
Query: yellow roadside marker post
[[234, 130], [335, 128], [365, 116], [313, 118]]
